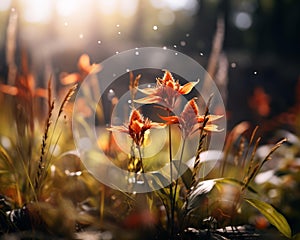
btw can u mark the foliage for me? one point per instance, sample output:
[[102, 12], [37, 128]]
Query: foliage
[[40, 184]]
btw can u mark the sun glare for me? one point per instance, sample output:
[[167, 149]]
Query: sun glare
[[36, 11], [4, 5]]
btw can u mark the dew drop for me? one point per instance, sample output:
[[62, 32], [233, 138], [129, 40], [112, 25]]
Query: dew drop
[[183, 43], [155, 28], [233, 65], [137, 53]]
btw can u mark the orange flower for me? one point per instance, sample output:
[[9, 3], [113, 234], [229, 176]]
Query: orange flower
[[85, 68], [190, 119], [166, 91], [137, 127]]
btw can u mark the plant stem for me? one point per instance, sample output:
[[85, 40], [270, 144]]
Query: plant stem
[[142, 167], [171, 225], [178, 170]]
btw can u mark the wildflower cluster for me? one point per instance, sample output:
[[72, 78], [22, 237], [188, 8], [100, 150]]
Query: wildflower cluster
[[166, 93]]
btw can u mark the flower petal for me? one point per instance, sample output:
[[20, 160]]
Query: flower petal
[[212, 128], [185, 89], [11, 90], [211, 118], [170, 119], [148, 91], [148, 100], [167, 76]]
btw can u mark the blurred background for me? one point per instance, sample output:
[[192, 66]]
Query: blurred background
[[257, 59], [250, 48]]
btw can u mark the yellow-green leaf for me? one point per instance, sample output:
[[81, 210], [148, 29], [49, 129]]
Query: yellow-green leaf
[[274, 217]]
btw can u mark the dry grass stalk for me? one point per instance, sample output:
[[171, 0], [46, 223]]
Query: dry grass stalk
[[41, 165], [66, 99], [251, 168], [252, 171], [277, 145], [133, 84], [240, 151], [232, 137], [202, 137]]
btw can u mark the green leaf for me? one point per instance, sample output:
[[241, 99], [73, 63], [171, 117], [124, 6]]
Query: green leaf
[[198, 195], [274, 217]]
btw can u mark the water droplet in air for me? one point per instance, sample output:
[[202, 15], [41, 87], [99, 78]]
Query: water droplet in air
[[140, 181], [183, 43], [137, 53], [5, 142], [99, 42], [155, 27], [111, 94], [233, 65], [187, 35]]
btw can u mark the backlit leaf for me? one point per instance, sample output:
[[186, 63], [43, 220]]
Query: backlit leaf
[[274, 217]]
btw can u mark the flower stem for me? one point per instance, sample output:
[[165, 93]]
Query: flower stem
[[178, 170], [171, 217], [142, 167], [171, 224]]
